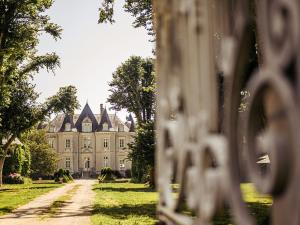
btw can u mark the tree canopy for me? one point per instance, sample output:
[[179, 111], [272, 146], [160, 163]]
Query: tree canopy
[[141, 10], [43, 158], [21, 23], [133, 88]]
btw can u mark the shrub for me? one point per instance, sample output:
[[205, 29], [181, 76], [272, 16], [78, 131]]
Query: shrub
[[108, 173], [66, 179], [18, 162], [63, 175], [128, 173], [14, 178], [117, 174], [76, 175]]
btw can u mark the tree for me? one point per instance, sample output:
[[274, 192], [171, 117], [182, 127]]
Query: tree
[[44, 158], [142, 153], [24, 112], [21, 22], [140, 9], [133, 88]]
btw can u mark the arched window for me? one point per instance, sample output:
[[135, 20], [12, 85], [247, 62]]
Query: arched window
[[87, 125], [105, 126], [67, 127]]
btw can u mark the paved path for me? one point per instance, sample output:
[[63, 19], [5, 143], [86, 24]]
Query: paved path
[[77, 211]]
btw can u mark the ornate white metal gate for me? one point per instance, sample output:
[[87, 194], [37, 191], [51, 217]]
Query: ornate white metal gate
[[254, 47]]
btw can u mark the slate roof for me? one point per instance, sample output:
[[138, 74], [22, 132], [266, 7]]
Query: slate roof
[[104, 119], [68, 119], [86, 112], [58, 123]]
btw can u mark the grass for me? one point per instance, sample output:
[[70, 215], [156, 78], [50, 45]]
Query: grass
[[134, 204], [60, 202], [124, 204], [258, 205], [14, 195]]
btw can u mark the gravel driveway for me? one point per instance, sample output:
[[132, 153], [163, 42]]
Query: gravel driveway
[[76, 211]]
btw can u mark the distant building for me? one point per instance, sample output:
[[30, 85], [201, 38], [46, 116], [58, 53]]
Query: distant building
[[87, 142]]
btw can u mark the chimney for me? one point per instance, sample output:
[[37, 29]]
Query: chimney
[[101, 109]]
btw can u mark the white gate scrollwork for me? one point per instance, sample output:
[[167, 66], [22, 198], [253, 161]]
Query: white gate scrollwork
[[203, 137]]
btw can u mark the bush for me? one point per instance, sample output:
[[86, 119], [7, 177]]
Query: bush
[[107, 172], [14, 178], [63, 175], [46, 177], [18, 162], [76, 175], [128, 173], [65, 179], [117, 174]]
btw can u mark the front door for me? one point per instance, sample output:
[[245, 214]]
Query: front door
[[87, 164]]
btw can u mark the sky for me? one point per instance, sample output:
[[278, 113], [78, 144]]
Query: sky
[[89, 52]]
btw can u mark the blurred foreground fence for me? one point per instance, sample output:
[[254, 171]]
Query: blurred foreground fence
[[228, 76]]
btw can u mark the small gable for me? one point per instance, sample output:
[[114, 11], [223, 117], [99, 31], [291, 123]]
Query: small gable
[[105, 123], [67, 124], [86, 116]]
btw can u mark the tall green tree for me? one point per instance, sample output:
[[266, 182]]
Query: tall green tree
[[21, 23], [141, 10], [24, 112], [44, 158], [142, 153], [133, 88]]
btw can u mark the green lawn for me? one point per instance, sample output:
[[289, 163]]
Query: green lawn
[[134, 204], [124, 204], [14, 195], [258, 205]]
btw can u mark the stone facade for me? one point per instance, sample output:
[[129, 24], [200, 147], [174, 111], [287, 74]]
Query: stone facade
[[88, 142]]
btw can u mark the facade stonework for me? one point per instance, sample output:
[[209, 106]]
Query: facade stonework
[[88, 142]]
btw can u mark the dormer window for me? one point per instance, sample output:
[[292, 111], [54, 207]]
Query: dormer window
[[121, 128], [87, 125], [105, 126], [67, 127]]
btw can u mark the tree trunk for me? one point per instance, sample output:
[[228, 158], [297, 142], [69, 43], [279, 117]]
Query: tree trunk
[[152, 178], [1, 169], [4, 153]]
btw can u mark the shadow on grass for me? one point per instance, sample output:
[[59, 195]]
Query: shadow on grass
[[126, 210], [260, 211], [4, 210], [24, 188], [120, 189]]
